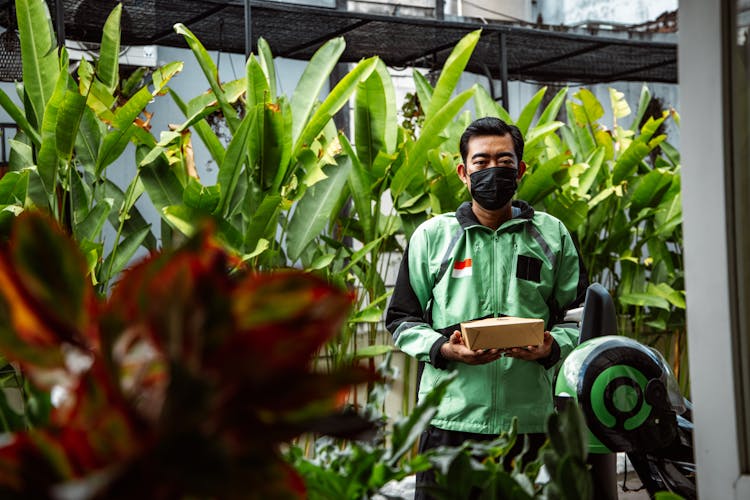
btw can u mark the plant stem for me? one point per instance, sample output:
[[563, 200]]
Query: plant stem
[[127, 202]]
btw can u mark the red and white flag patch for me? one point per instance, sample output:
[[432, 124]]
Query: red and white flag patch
[[462, 269]]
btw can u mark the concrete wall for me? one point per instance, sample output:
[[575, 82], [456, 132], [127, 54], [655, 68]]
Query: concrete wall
[[414, 8], [617, 11], [503, 10]]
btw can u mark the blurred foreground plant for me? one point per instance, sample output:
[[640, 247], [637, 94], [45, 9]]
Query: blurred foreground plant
[[355, 470], [182, 384], [479, 466], [359, 469]]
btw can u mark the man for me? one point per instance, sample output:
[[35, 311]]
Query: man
[[493, 257]]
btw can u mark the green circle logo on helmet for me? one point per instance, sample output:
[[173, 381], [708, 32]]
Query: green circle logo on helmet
[[625, 392]]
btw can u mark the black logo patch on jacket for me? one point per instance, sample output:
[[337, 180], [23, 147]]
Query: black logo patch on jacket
[[529, 268]]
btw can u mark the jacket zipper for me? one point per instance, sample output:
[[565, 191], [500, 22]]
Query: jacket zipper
[[495, 273], [495, 313]]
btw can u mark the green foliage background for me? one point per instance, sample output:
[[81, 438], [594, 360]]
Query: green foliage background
[[292, 190]]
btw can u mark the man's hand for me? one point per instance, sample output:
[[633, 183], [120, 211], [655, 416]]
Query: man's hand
[[532, 352], [456, 350]]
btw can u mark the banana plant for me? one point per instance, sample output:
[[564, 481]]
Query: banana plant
[[356, 246], [617, 189], [413, 176], [70, 130], [283, 156], [627, 205], [286, 177]]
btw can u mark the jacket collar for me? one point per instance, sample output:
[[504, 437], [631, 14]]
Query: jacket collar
[[466, 217]]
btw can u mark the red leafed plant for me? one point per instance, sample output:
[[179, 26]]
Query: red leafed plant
[[182, 383]]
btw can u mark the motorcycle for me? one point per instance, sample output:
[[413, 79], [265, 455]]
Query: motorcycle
[[631, 402]]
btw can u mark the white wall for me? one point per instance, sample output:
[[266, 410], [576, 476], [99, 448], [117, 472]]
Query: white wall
[[10, 90], [707, 239]]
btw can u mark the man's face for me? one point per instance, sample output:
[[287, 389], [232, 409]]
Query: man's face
[[487, 151]]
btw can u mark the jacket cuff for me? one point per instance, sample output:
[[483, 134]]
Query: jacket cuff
[[553, 358], [436, 358]]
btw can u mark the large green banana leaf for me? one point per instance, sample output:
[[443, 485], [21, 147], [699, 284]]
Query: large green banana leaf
[[643, 101], [375, 120], [333, 102], [13, 188], [21, 121], [311, 83], [360, 186], [429, 138], [230, 169], [108, 64], [88, 141], [529, 111], [211, 72], [273, 144], [266, 62], [423, 88], [541, 182], [263, 221], [38, 55], [486, 106], [588, 178], [314, 211], [258, 91], [650, 189], [553, 108], [48, 160], [451, 73], [69, 119], [160, 182]]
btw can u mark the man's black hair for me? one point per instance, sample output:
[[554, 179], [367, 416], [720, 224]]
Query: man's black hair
[[491, 126]]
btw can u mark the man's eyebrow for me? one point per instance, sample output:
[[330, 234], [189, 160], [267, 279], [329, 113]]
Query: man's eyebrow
[[482, 154]]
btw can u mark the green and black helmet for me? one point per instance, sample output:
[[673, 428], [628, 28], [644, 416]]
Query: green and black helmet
[[627, 393]]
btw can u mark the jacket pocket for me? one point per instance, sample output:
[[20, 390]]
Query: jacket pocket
[[529, 268]]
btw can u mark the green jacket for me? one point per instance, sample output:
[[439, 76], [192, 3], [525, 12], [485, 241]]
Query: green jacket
[[456, 270]]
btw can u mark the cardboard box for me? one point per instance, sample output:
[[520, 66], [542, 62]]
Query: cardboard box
[[504, 332]]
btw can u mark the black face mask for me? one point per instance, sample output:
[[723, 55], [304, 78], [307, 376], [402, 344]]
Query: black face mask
[[493, 187]]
